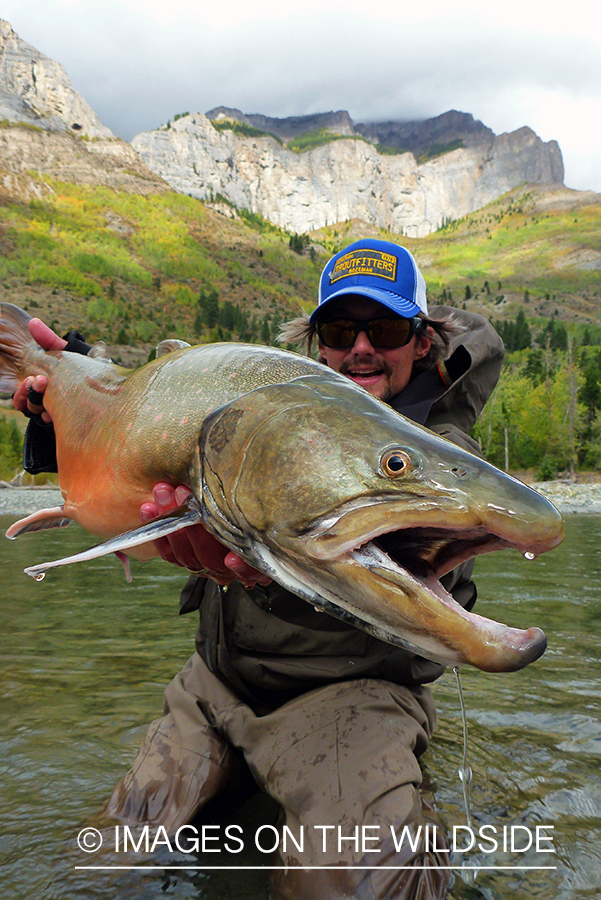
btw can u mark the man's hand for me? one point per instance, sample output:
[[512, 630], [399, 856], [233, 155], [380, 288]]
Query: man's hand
[[194, 548], [22, 400]]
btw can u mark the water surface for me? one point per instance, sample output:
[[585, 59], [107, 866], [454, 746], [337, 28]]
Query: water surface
[[84, 658]]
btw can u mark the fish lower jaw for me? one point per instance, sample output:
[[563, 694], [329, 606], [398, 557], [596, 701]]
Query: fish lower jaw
[[371, 556], [467, 638]]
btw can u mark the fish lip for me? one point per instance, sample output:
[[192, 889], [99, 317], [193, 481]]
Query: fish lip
[[433, 538], [489, 645]]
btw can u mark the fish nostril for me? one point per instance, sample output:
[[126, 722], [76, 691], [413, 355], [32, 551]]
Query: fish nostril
[[460, 473]]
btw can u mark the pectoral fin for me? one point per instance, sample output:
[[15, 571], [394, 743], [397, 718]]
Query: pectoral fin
[[53, 517], [182, 517]]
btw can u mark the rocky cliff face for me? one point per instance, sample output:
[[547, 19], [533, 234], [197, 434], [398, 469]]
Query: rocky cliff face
[[37, 91], [25, 155], [43, 122], [346, 178]]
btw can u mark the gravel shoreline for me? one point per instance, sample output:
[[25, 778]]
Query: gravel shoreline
[[567, 496], [571, 497]]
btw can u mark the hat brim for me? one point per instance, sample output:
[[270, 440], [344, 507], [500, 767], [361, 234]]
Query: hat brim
[[398, 305]]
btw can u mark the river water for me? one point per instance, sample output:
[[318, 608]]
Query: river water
[[84, 658]]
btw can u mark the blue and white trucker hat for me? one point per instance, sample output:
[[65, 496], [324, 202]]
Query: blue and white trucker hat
[[377, 269]]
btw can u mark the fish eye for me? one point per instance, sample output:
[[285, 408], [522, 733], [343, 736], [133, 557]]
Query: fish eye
[[396, 463]]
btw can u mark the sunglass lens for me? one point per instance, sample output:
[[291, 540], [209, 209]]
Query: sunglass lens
[[389, 333], [338, 335]]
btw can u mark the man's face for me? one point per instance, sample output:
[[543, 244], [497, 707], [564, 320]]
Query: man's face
[[384, 373]]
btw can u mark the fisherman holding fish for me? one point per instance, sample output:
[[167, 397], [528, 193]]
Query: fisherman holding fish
[[330, 721]]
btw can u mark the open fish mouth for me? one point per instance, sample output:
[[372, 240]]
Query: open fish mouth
[[428, 553], [398, 571], [422, 556]]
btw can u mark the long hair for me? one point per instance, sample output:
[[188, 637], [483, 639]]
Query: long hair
[[301, 331]]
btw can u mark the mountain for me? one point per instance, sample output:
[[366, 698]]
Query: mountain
[[103, 242], [47, 128], [301, 173], [420, 137], [36, 90], [408, 178], [291, 127]]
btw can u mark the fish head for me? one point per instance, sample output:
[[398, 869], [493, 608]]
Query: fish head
[[361, 511]]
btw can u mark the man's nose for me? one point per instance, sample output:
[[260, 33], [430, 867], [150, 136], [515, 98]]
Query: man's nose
[[363, 344]]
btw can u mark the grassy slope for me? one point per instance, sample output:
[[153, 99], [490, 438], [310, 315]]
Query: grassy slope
[[118, 265], [78, 240], [128, 267], [109, 263]]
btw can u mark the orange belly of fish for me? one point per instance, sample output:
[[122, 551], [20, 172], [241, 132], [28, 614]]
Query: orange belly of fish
[[102, 498]]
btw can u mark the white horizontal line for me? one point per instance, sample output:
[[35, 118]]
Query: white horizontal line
[[311, 868]]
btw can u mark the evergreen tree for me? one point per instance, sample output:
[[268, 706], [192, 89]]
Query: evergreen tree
[[265, 331], [522, 335], [209, 303], [227, 316]]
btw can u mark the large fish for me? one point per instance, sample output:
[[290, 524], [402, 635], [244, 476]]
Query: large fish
[[302, 473]]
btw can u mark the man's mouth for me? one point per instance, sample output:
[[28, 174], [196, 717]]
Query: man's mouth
[[365, 376], [364, 372]]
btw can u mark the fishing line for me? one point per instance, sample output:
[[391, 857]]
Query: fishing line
[[465, 777]]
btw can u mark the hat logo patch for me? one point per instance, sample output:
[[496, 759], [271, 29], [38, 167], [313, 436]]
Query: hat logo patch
[[365, 262]]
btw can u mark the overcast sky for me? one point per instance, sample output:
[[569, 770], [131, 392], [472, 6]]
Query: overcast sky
[[139, 62]]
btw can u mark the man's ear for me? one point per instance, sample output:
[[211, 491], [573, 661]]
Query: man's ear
[[423, 344], [322, 357]]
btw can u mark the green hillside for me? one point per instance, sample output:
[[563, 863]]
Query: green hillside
[[133, 270]]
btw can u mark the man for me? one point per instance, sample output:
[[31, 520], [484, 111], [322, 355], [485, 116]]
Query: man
[[329, 721]]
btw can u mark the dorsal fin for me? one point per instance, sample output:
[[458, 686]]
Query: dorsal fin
[[170, 346], [100, 351]]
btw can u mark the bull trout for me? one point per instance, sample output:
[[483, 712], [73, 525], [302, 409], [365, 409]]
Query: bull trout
[[298, 470]]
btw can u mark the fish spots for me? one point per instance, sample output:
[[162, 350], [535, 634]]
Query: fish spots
[[185, 420], [223, 430], [158, 417]]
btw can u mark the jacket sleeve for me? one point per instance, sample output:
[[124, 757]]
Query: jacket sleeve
[[39, 445], [474, 363], [475, 360]]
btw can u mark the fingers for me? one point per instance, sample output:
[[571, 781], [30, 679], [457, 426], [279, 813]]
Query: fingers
[[243, 572], [195, 548], [29, 396], [192, 548], [45, 336]]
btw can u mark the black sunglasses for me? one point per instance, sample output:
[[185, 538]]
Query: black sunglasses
[[383, 334]]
